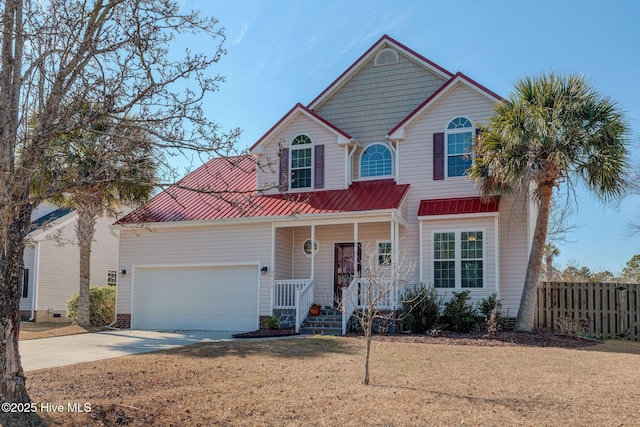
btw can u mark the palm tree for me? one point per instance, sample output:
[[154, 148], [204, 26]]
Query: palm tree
[[550, 252], [552, 130], [103, 167]]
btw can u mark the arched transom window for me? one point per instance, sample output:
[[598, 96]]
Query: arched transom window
[[376, 161], [301, 162], [459, 138]]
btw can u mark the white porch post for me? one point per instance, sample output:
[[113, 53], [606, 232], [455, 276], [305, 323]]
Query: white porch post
[[421, 260], [394, 260], [313, 250], [273, 263], [355, 248]]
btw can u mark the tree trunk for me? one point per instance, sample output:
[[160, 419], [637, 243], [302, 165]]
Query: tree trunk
[[367, 338], [85, 229], [524, 320], [13, 387]]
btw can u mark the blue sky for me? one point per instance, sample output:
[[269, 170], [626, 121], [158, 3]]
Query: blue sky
[[283, 52]]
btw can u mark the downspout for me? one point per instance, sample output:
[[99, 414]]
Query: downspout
[[421, 262], [36, 266], [350, 165], [396, 169]]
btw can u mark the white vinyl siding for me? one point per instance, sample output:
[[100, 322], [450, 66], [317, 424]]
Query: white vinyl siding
[[29, 263], [268, 174], [327, 235], [228, 244], [59, 264]]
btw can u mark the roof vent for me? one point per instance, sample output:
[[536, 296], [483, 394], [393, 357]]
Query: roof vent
[[386, 56]]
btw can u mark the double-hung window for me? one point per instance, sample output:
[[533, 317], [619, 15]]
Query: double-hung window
[[384, 253], [458, 259], [459, 138], [112, 277], [301, 162]]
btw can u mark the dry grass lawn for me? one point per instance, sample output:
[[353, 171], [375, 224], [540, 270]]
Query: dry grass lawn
[[32, 331], [317, 381]]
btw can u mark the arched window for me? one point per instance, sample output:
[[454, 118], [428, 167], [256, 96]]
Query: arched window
[[301, 162], [376, 161], [459, 139]]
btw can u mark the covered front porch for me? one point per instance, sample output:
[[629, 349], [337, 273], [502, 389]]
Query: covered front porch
[[327, 262]]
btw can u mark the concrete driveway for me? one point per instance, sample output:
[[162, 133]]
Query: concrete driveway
[[70, 349]]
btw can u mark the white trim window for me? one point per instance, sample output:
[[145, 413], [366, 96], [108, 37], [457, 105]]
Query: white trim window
[[112, 277], [301, 162], [384, 254], [458, 259], [459, 137], [376, 160], [307, 247]]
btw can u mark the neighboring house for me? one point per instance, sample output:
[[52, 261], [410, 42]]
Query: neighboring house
[[378, 158], [52, 262]]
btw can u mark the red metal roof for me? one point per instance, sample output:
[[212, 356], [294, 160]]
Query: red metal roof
[[227, 190], [462, 205]]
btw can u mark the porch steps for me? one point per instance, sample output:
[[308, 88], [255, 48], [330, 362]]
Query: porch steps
[[328, 322]]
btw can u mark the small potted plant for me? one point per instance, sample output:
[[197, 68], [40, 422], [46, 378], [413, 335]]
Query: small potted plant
[[315, 308]]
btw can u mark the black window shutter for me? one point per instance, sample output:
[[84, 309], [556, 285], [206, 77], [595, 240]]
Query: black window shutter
[[284, 169], [25, 284], [318, 181], [438, 156]]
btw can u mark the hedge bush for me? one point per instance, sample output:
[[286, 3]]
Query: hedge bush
[[102, 306], [458, 315], [421, 309]]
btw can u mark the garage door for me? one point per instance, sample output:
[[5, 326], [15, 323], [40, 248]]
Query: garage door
[[196, 298]]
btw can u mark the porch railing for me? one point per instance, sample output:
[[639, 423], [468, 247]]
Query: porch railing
[[360, 292], [284, 292], [304, 298], [349, 302]]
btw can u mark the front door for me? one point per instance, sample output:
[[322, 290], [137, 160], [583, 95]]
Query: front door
[[345, 268]]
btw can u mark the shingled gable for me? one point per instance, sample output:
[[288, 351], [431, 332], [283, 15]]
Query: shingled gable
[[297, 110], [397, 133], [383, 42]]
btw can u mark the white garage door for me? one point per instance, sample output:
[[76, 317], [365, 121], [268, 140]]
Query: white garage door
[[196, 298]]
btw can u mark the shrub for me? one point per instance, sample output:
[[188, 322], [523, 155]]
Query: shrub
[[458, 315], [420, 309], [571, 327], [102, 306], [272, 322], [491, 310]]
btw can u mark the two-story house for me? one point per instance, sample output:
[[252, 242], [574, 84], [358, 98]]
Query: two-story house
[[372, 170], [52, 262]]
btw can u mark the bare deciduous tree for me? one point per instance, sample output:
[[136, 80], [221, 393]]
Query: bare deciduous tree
[[377, 295], [117, 54]]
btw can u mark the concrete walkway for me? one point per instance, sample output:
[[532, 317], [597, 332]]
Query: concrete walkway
[[70, 349]]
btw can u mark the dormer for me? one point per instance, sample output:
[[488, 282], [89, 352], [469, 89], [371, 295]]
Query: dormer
[[302, 152]]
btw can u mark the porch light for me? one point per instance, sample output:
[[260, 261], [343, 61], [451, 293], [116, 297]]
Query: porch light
[[123, 272], [264, 269]]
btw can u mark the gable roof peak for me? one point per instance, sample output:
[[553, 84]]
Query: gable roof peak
[[383, 41], [342, 136]]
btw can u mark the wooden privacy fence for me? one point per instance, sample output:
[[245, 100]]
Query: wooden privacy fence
[[606, 310]]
